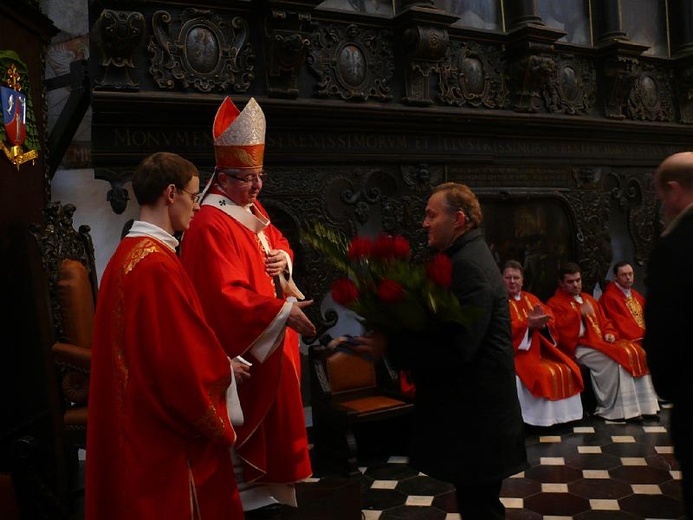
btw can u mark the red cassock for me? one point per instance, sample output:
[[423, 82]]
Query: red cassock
[[543, 369], [627, 314], [159, 437], [227, 264], [568, 318]]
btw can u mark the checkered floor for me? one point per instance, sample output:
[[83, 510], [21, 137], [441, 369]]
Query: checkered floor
[[590, 470]]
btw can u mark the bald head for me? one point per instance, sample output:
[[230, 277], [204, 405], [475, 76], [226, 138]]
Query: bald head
[[674, 184], [677, 167]]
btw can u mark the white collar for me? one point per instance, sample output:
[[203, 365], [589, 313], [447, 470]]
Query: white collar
[[243, 214], [623, 290], [140, 228]]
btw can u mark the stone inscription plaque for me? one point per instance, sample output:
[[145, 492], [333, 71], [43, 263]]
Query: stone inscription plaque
[[142, 140]]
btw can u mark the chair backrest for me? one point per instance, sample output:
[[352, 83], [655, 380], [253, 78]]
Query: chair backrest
[[76, 296], [68, 261], [348, 372]]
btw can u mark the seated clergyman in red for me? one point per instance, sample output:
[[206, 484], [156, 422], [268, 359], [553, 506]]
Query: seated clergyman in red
[[618, 368], [623, 305], [549, 382]]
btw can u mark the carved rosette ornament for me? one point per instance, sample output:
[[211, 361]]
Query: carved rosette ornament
[[572, 89], [651, 97], [532, 75], [201, 50], [474, 75], [352, 63], [118, 34]]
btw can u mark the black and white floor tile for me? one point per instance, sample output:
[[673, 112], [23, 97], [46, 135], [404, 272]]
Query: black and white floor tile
[[589, 470]]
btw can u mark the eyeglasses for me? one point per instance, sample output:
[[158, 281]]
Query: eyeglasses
[[249, 179], [195, 197]]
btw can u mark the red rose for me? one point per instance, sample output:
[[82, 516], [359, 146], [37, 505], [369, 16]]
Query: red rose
[[401, 247], [388, 247], [344, 291], [382, 247], [439, 270], [360, 247], [390, 291]]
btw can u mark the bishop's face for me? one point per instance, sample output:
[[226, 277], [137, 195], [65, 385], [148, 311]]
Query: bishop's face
[[242, 186]]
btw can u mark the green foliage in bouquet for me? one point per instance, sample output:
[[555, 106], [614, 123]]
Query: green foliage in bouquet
[[384, 287]]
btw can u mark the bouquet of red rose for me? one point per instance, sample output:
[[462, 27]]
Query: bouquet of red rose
[[384, 287]]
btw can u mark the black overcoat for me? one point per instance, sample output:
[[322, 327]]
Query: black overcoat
[[467, 421], [668, 337]]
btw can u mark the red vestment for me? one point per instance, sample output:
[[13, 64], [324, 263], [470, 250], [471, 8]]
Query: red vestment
[[568, 318], [545, 370], [159, 437], [627, 314], [227, 265]]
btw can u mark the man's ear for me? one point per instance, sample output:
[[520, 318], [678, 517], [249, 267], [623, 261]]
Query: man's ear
[[460, 219], [169, 193]]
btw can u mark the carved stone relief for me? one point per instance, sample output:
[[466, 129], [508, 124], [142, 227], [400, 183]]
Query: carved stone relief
[[590, 204], [118, 34], [474, 74], [621, 73], [426, 47], [533, 71], [352, 62], [287, 42], [572, 89], [651, 97], [634, 194], [202, 50], [685, 95], [117, 196]]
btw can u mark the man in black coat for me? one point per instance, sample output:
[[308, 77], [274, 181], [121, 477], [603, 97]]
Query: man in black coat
[[668, 336], [468, 427]]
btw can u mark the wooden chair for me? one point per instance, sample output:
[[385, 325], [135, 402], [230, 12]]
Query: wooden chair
[[67, 257], [346, 393]]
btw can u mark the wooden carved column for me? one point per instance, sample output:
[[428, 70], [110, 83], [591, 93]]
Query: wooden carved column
[[531, 50], [521, 12], [620, 58], [423, 38]]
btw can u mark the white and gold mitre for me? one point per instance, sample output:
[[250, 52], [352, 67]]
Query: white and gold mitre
[[239, 136]]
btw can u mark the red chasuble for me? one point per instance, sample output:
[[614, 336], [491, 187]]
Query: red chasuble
[[227, 265], [567, 313], [546, 371], [159, 438], [627, 314]]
